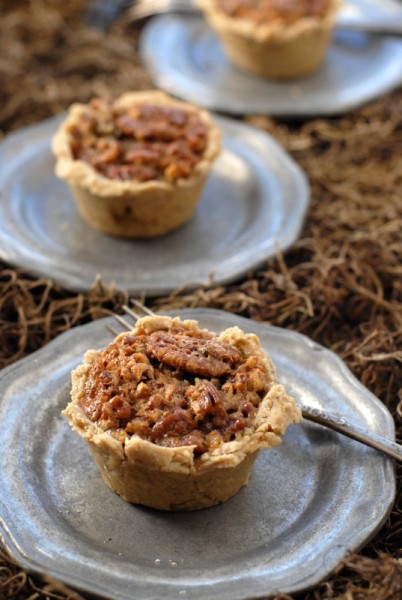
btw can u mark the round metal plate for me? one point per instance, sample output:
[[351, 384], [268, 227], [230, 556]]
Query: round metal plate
[[309, 501], [254, 203], [184, 57]]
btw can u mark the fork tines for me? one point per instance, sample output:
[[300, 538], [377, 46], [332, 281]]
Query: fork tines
[[140, 306], [133, 314]]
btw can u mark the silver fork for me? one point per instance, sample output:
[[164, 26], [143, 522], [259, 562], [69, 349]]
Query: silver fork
[[316, 415], [369, 17]]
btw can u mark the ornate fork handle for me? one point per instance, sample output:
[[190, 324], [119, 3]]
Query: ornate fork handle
[[355, 432]]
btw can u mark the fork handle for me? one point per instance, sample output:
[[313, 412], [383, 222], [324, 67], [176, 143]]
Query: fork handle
[[369, 438]]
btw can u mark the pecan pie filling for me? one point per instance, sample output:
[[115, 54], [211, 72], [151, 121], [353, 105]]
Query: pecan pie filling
[[174, 388], [142, 143], [282, 11]]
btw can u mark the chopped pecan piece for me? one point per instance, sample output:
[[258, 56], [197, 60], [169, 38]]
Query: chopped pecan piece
[[205, 399], [174, 423]]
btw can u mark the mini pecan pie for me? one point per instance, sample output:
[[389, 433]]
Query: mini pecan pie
[[136, 166], [279, 39], [175, 415]]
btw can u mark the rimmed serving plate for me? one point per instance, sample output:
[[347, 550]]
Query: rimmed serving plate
[[253, 205], [185, 57], [309, 501]]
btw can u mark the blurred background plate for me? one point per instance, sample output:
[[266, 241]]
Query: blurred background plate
[[254, 203], [309, 501], [185, 58]]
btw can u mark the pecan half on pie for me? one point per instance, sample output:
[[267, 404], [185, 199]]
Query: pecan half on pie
[[136, 166], [278, 39], [175, 415]]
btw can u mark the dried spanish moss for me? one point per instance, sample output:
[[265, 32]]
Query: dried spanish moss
[[341, 283]]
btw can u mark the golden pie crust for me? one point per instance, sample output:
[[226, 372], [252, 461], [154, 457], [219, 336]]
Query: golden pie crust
[[130, 208], [174, 478], [273, 50]]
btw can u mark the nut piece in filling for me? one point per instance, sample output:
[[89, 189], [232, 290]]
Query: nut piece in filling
[[278, 39], [136, 166], [175, 415]]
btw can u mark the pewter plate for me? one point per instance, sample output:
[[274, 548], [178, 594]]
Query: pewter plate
[[254, 203], [309, 501], [185, 57]]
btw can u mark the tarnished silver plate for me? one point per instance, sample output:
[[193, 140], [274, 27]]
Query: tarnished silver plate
[[309, 501], [254, 203], [184, 57]]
